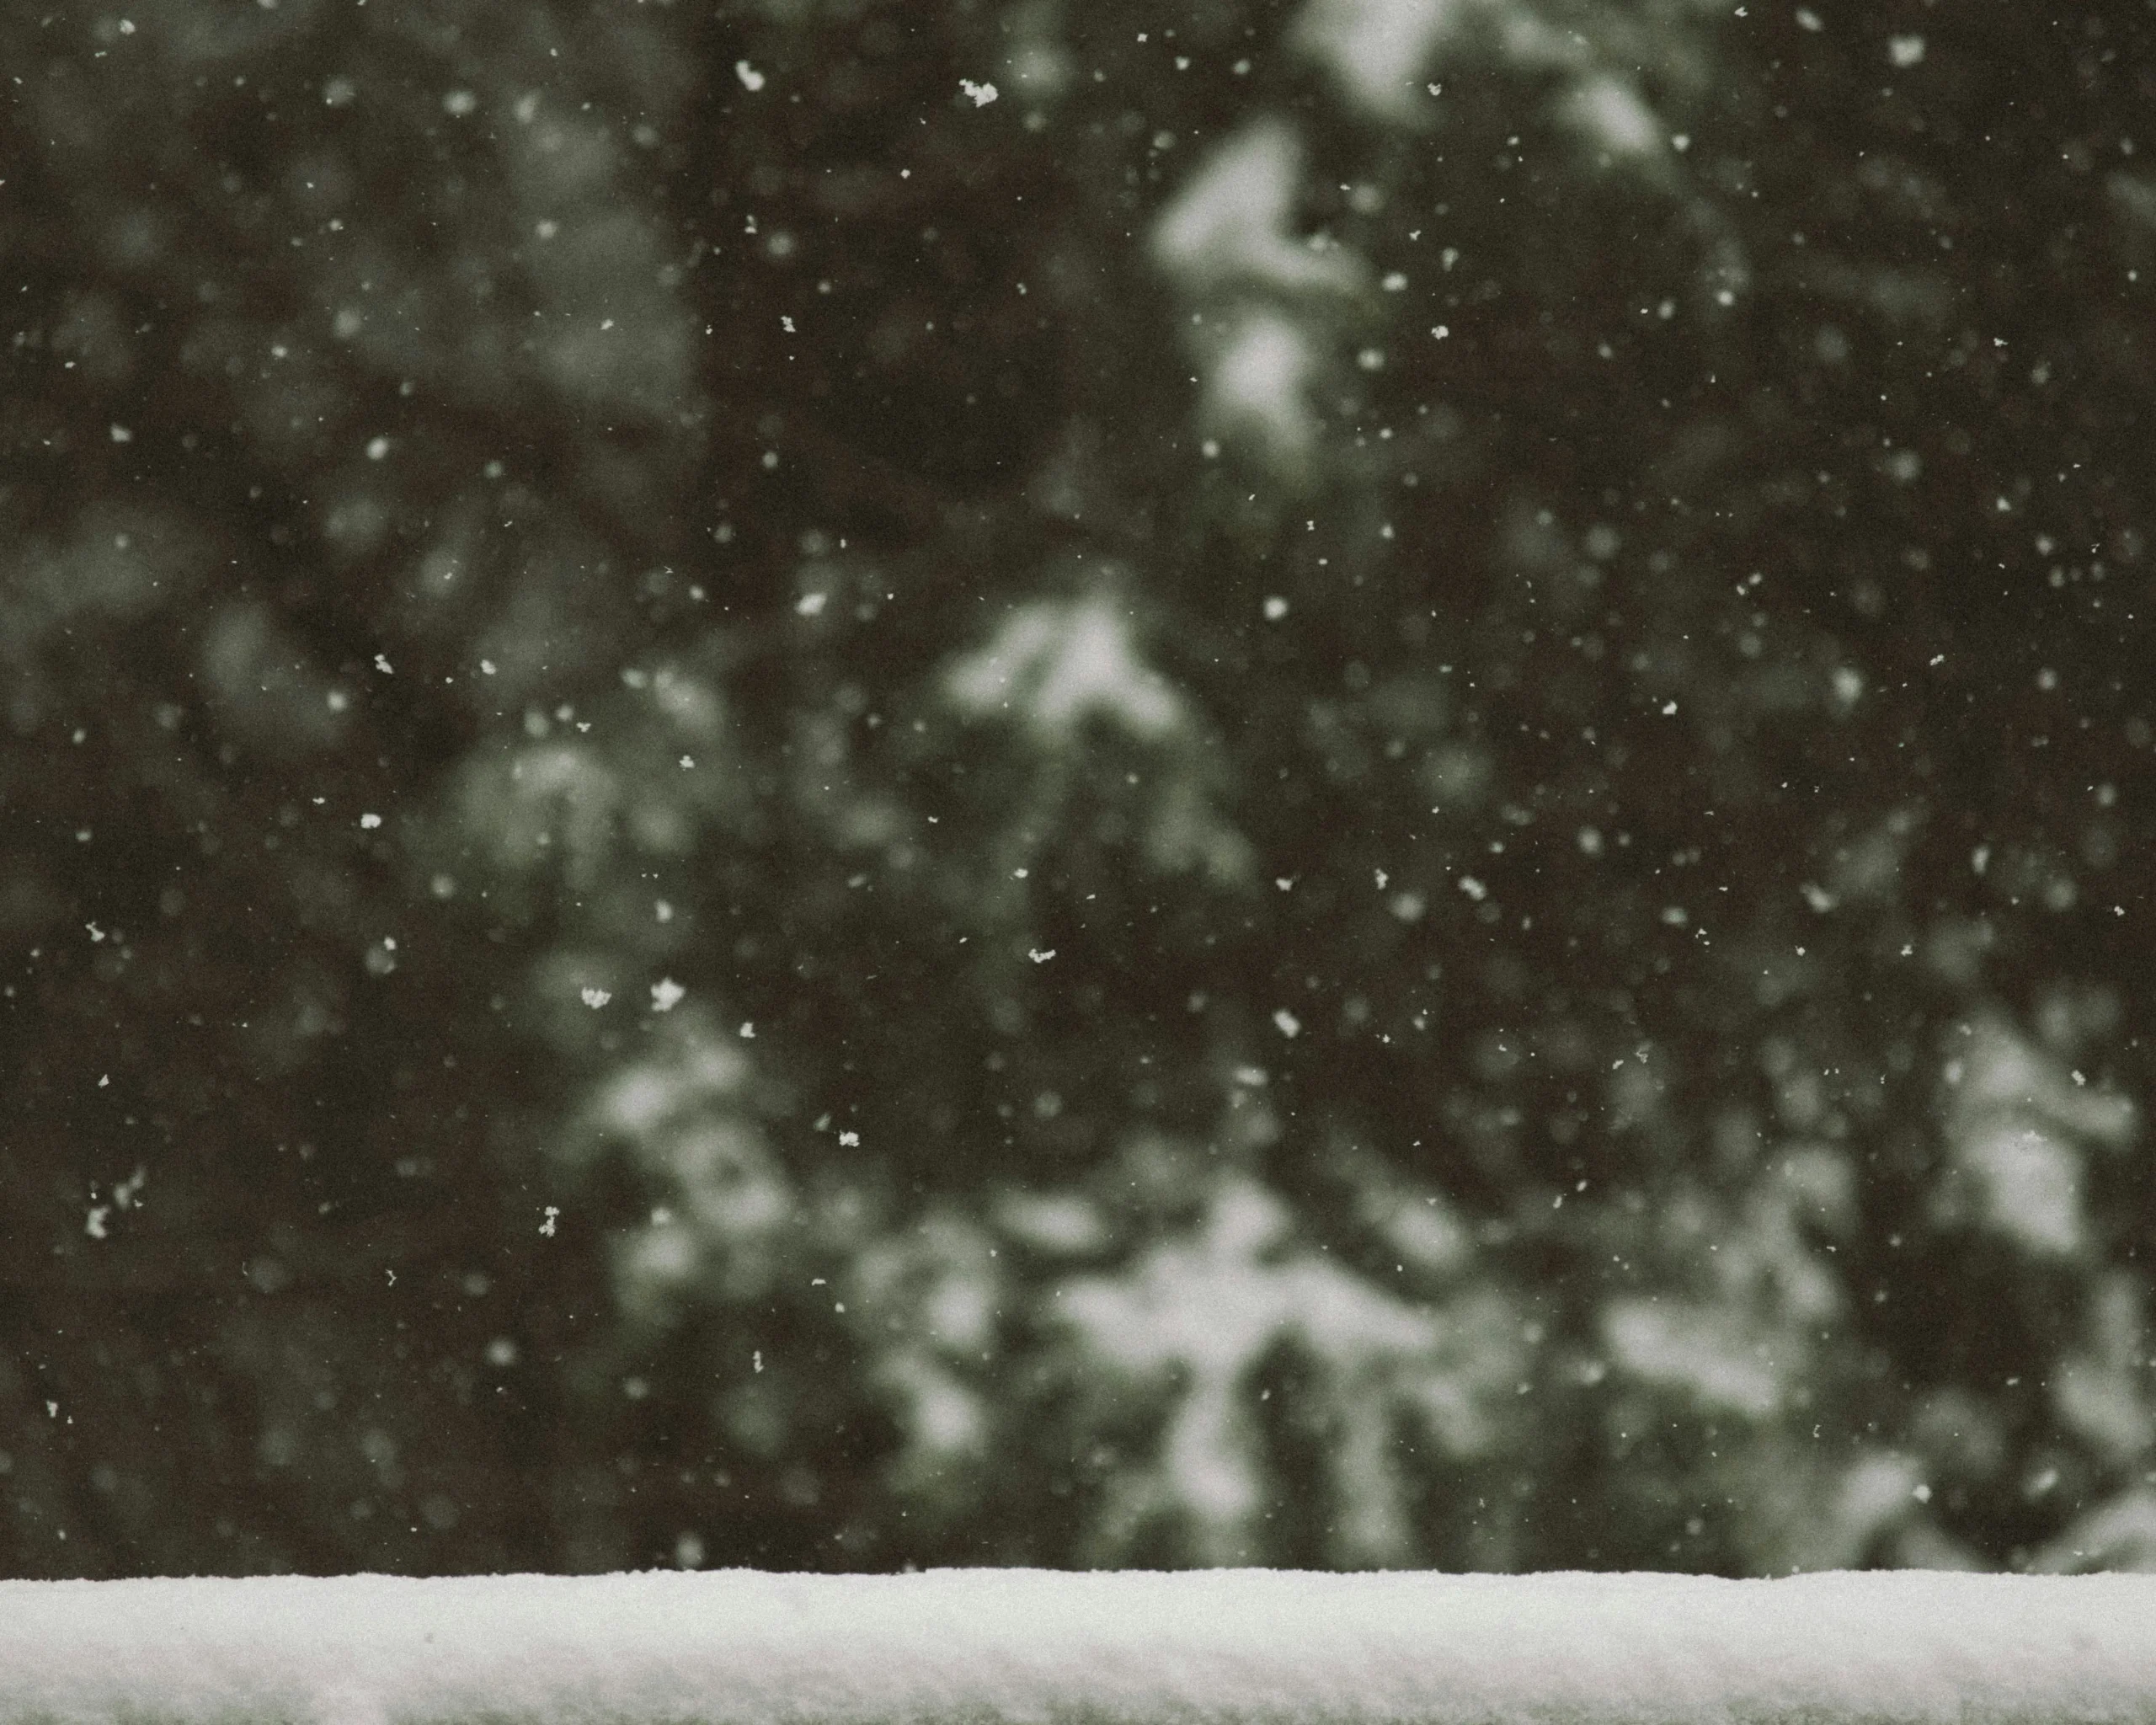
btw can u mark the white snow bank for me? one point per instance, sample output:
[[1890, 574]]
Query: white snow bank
[[985, 1647]]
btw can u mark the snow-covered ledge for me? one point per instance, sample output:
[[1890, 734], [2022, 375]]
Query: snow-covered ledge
[[988, 1646]]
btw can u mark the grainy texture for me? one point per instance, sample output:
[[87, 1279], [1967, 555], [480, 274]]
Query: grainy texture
[[985, 1647]]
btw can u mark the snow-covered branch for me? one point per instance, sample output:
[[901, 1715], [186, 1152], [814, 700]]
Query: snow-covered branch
[[987, 1647]]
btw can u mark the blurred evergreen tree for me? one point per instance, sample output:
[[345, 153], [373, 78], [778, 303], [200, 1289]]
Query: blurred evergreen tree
[[1358, 784]]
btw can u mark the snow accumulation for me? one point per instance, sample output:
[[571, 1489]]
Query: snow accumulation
[[1002, 1646]]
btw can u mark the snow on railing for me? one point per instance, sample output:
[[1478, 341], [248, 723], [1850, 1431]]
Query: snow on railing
[[1001, 1647]]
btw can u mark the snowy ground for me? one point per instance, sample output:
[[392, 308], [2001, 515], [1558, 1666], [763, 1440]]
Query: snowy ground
[[983, 1646]]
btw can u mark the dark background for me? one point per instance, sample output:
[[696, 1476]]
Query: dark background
[[753, 815]]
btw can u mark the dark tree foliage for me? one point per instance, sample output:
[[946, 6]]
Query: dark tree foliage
[[830, 783]]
